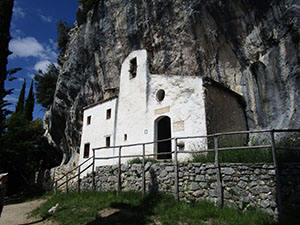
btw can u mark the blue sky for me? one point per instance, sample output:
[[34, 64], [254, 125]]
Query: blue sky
[[33, 31]]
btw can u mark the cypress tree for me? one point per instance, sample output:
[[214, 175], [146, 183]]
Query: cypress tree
[[20, 103], [29, 104]]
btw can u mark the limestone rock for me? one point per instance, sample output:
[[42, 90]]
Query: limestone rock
[[250, 46]]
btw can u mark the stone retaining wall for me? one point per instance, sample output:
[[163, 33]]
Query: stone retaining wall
[[243, 185]]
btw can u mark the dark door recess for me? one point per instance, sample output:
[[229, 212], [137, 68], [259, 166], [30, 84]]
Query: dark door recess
[[164, 132]]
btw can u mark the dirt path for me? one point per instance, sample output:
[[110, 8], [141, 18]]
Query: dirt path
[[16, 214]]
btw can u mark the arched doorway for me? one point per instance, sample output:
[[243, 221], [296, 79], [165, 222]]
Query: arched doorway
[[163, 131]]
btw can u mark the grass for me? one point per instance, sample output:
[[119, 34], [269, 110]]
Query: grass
[[134, 208], [237, 156], [249, 156], [139, 160]]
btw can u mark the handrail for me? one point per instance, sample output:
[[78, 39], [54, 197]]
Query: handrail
[[73, 169], [71, 178], [216, 135]]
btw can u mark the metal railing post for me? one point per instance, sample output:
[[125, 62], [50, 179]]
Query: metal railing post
[[217, 164], [55, 188], [277, 175], [78, 181], [176, 183], [119, 171], [143, 171], [93, 171], [67, 182]]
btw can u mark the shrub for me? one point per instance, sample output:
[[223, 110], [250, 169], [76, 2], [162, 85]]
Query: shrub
[[139, 161], [45, 85], [88, 4], [63, 35]]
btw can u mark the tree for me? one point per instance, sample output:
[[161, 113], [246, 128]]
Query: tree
[[6, 7], [88, 4], [22, 150], [45, 85], [63, 35], [29, 104], [20, 103]]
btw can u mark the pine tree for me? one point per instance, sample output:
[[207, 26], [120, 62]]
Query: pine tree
[[29, 104], [45, 84], [20, 103]]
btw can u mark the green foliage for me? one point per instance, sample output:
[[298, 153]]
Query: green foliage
[[6, 7], [236, 156], [139, 160], [249, 156], [22, 152], [88, 4], [45, 84], [29, 104], [134, 208], [20, 103], [63, 35], [23, 145]]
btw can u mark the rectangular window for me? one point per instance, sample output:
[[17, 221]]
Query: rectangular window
[[107, 141], [88, 120], [108, 114], [125, 137], [133, 68], [86, 152]]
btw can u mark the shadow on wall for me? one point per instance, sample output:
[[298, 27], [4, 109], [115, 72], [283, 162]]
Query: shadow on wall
[[153, 185], [289, 193]]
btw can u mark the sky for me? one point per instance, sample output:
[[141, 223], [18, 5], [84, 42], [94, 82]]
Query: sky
[[34, 34]]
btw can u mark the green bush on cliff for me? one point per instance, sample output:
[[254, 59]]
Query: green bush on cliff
[[88, 4]]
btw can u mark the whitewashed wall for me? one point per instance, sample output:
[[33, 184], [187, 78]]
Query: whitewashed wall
[[137, 109], [96, 132], [132, 108], [183, 103]]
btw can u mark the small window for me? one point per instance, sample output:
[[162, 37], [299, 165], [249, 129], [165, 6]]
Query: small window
[[107, 141], [132, 69], [108, 114], [88, 120], [125, 137], [86, 152], [160, 95]]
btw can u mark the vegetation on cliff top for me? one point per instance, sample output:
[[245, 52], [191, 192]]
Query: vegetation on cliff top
[[88, 4], [45, 84]]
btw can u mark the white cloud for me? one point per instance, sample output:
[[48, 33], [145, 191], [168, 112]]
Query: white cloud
[[42, 65], [15, 32], [25, 47], [47, 19], [18, 12], [53, 43], [10, 98], [30, 47]]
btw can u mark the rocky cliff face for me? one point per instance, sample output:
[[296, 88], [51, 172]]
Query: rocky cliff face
[[250, 46]]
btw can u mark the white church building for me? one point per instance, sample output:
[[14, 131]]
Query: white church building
[[148, 108]]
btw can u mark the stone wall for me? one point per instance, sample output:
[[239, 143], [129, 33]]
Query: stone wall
[[243, 185]]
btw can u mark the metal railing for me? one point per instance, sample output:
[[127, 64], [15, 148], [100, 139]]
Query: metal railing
[[68, 179], [175, 153]]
